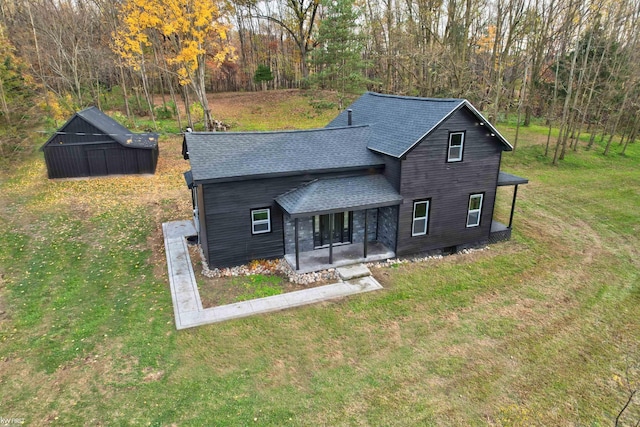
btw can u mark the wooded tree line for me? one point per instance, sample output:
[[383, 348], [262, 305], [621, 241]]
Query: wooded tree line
[[572, 62]]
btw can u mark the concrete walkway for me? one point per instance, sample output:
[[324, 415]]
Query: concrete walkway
[[187, 306]]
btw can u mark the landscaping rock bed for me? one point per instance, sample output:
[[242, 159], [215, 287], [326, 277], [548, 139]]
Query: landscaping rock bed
[[398, 261], [279, 266], [282, 267]]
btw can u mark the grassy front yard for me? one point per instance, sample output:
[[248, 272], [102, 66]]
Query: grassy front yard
[[540, 330]]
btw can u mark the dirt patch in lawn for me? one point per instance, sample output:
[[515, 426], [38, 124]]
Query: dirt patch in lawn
[[216, 291]]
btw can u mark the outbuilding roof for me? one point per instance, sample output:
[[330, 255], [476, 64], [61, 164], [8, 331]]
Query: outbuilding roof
[[225, 155], [398, 123], [323, 196], [111, 128]]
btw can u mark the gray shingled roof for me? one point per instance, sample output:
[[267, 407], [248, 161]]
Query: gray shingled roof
[[329, 195], [188, 178], [223, 155], [505, 178], [108, 126], [118, 132], [399, 122]]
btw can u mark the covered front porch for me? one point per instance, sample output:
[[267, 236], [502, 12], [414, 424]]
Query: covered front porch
[[318, 259], [339, 221], [499, 231]]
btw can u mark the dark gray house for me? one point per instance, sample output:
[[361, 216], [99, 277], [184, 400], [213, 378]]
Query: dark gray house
[[391, 175], [93, 144]]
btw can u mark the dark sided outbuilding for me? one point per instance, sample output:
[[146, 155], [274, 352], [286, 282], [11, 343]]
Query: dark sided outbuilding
[[93, 144]]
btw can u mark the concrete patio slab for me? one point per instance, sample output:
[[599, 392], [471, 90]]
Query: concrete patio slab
[[187, 306], [353, 253]]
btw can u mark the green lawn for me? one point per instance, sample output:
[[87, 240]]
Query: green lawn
[[536, 331]]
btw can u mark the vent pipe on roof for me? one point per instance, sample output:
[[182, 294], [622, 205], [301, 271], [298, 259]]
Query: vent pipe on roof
[[349, 117]]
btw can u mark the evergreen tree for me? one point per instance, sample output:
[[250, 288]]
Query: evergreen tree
[[263, 75], [337, 58]]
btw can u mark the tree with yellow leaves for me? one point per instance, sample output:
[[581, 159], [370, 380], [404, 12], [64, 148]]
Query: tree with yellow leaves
[[190, 31]]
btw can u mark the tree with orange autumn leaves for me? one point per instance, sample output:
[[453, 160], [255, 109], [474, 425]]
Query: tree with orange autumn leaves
[[190, 33]]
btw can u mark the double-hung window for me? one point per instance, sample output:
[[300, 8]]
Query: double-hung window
[[475, 210], [260, 221], [456, 144], [420, 218]]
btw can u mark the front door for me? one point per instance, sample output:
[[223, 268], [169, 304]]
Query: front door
[[341, 229]]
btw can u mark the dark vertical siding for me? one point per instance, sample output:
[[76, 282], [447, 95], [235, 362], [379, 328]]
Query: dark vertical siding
[[115, 160], [144, 161], [78, 131], [97, 162], [392, 171], [107, 158], [154, 155], [66, 161], [147, 160], [82, 150], [426, 174], [130, 161], [228, 218]]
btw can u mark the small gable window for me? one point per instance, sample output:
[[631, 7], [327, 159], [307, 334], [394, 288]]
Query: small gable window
[[420, 218], [456, 144], [260, 221], [475, 210]]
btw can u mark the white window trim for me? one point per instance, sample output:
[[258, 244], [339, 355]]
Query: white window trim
[[255, 222], [471, 211], [459, 158], [425, 217]]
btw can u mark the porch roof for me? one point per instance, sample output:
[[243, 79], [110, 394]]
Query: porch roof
[[505, 178], [324, 196]]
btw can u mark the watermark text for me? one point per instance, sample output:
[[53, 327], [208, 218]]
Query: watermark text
[[7, 421]]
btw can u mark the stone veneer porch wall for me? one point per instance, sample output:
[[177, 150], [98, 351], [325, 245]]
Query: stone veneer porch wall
[[388, 226], [382, 226], [305, 234], [358, 226]]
